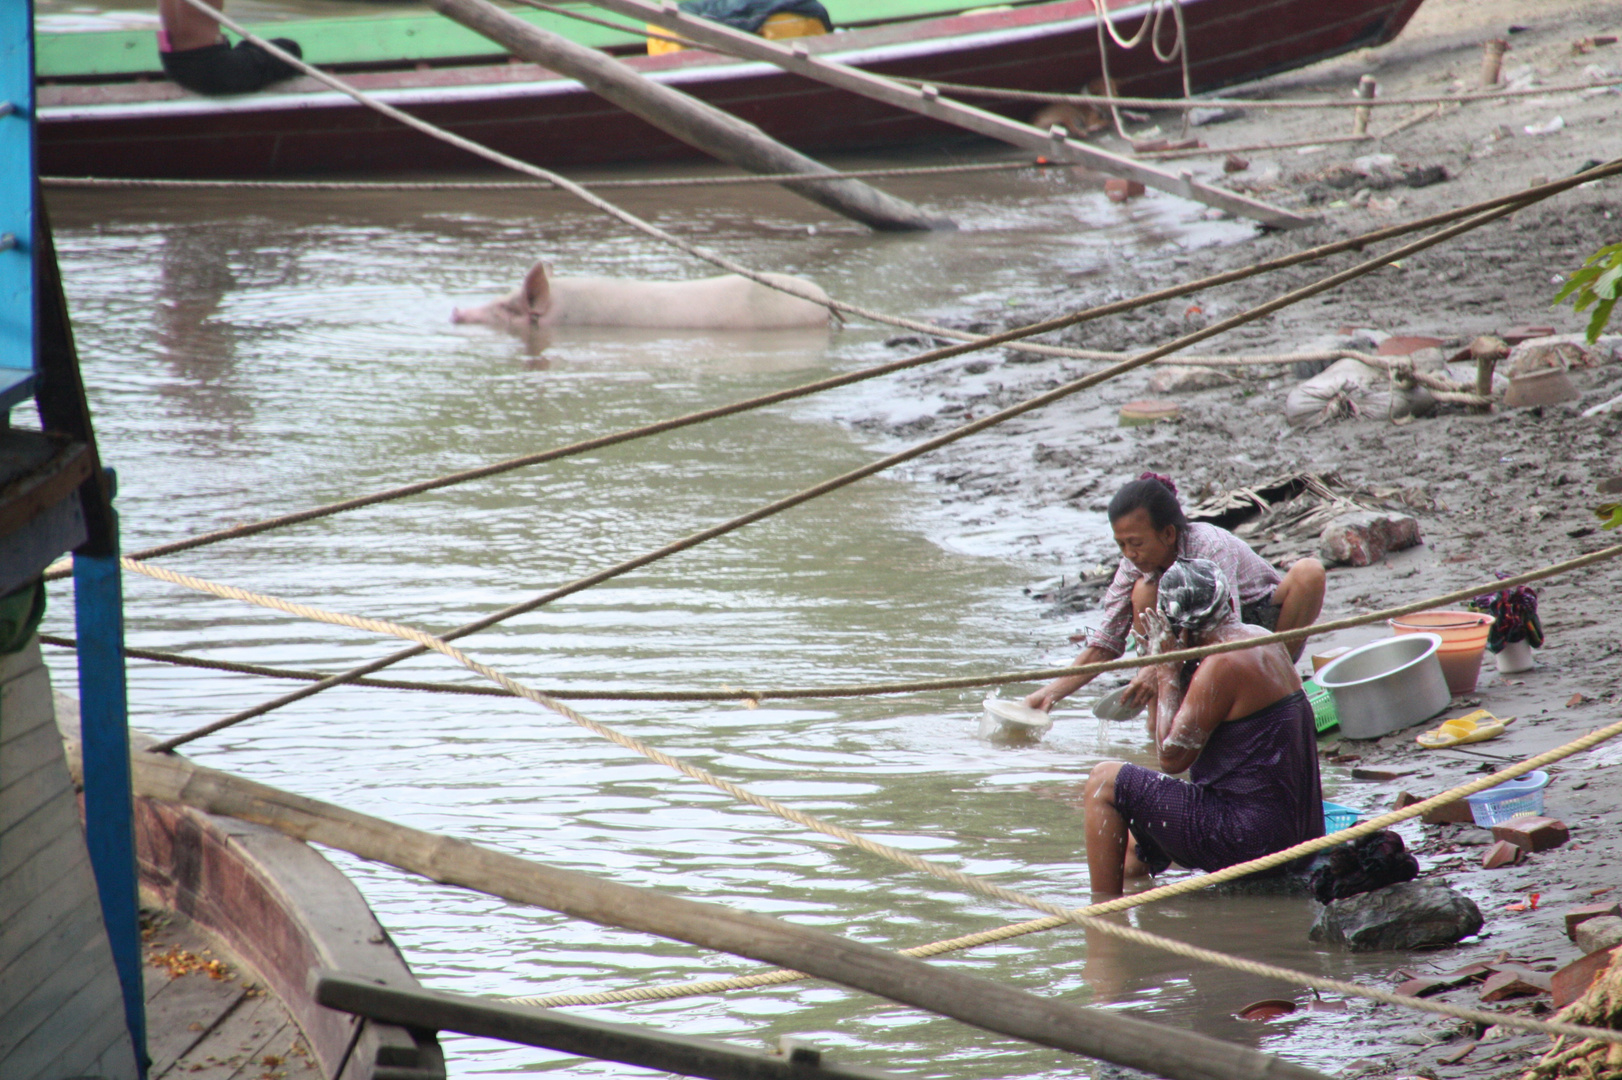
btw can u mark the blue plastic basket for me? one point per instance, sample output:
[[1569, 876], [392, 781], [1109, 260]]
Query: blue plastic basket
[[1511, 799], [1338, 817]]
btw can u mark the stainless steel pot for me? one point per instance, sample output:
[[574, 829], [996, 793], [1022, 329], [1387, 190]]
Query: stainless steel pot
[[1387, 685]]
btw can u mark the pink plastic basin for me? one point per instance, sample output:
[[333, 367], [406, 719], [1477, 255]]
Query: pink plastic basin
[[1464, 639]]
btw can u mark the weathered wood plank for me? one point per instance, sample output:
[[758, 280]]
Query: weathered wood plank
[[54, 823], [43, 956], [183, 1013], [553, 1030], [105, 1034], [67, 1003], [243, 1039], [26, 792], [1178, 1054], [59, 993]]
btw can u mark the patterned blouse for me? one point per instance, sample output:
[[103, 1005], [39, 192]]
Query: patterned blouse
[[1253, 577]]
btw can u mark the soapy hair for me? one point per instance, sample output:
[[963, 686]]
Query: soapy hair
[[1195, 595]]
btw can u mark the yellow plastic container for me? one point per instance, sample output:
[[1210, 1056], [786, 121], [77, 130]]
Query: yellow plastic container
[[776, 28], [787, 25], [1464, 639]]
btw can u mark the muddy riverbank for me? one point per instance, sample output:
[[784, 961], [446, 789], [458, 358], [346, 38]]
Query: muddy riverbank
[[1507, 491]]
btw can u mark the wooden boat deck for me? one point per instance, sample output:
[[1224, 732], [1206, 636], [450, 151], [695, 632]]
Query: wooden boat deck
[[208, 1015]]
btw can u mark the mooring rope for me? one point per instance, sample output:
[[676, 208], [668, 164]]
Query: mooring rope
[[1516, 201], [962, 682], [781, 977], [917, 450], [126, 183], [1085, 917], [1189, 102], [1152, 21]]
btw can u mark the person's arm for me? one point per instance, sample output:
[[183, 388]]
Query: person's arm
[[1105, 643], [1062, 687], [1206, 705]]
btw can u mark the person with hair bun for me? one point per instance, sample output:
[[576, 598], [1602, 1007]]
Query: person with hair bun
[[1152, 533]]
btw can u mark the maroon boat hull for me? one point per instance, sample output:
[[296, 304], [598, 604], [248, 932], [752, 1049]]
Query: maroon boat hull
[[156, 130]]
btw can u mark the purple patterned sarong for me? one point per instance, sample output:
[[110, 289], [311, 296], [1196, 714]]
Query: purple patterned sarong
[[1252, 791]]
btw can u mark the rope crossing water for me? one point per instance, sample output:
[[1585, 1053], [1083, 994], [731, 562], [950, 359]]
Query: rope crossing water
[[1514, 200], [834, 484], [1085, 917], [758, 695]]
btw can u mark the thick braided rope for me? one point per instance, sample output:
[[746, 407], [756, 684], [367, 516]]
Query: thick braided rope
[[746, 694], [1083, 916], [1515, 200], [917, 450]]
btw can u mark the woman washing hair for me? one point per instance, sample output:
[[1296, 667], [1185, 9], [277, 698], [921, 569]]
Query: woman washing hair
[[1237, 722], [1152, 533]]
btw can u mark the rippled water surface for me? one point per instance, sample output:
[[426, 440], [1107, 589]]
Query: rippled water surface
[[253, 354]]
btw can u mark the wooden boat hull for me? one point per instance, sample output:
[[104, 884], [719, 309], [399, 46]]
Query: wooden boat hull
[[287, 911], [157, 130]]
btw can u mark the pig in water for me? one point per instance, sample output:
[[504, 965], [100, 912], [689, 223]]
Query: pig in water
[[728, 302]]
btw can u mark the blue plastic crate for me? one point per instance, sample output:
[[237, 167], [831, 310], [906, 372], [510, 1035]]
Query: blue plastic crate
[[1338, 817]]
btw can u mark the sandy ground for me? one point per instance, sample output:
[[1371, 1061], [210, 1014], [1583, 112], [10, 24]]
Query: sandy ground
[[1510, 491]]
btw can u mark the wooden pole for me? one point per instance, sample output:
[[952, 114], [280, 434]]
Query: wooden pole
[[688, 119], [570, 1034], [1366, 89], [928, 101], [1137, 1044]]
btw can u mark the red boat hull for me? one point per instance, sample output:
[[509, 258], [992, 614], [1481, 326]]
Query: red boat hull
[[157, 130]]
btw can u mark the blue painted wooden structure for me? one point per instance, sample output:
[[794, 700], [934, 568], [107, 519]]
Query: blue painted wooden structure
[[60, 499]]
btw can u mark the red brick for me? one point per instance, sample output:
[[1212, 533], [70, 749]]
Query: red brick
[[1582, 914], [1120, 190], [1533, 834], [1513, 984], [1502, 853], [1573, 980]]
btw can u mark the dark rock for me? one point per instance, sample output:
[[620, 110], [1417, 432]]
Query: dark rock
[[1424, 175], [1411, 915]]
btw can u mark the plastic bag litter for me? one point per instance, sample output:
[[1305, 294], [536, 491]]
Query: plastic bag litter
[[1352, 390]]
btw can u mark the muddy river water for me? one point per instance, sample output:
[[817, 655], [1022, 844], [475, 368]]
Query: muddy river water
[[252, 353]]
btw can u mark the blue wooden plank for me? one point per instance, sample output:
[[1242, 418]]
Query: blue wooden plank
[[16, 202], [109, 810]]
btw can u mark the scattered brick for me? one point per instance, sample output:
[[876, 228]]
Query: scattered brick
[[1572, 981], [1533, 833], [1502, 853], [1514, 983], [1579, 915], [1117, 189]]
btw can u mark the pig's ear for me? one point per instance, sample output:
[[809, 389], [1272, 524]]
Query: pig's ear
[[537, 293]]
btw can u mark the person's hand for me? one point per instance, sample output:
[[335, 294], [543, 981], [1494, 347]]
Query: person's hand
[[1043, 699], [1141, 690], [1157, 632]]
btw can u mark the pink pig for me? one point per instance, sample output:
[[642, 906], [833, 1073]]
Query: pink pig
[[728, 302]]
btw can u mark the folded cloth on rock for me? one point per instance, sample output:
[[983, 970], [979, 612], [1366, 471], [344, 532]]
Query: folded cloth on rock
[[1377, 860]]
